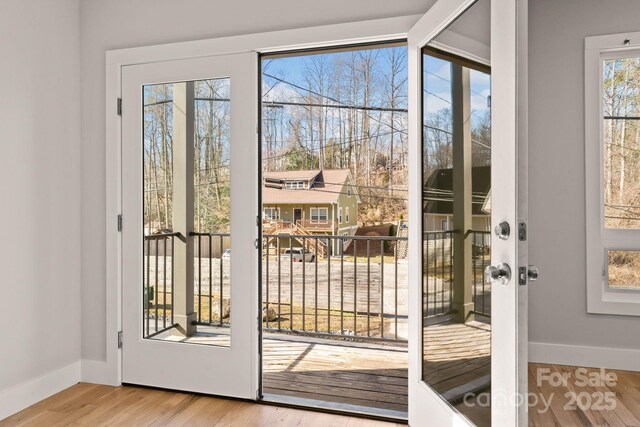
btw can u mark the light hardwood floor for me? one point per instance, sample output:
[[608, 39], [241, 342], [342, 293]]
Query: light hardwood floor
[[96, 405]]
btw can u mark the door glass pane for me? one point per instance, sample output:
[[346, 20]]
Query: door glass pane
[[186, 286], [456, 175], [623, 270], [621, 151]]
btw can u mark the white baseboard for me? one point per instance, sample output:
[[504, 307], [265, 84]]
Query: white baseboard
[[18, 397], [96, 372], [591, 357]]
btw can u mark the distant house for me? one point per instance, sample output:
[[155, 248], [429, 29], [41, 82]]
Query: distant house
[[316, 202], [438, 199]]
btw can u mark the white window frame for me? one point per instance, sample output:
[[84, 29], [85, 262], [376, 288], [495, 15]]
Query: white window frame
[[273, 210], [346, 215], [318, 216], [295, 185], [601, 299], [340, 215]]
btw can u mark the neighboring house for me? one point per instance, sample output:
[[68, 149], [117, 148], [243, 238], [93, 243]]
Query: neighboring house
[[438, 199], [310, 202]]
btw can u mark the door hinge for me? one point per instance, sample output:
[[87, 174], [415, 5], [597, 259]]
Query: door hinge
[[119, 107], [119, 339], [522, 231], [119, 222]]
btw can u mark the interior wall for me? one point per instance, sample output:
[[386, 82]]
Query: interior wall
[[123, 23], [557, 302], [39, 190]]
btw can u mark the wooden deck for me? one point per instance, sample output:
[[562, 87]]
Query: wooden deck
[[375, 376], [458, 358], [366, 375]]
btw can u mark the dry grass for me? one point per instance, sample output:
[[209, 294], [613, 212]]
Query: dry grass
[[328, 321], [624, 269]]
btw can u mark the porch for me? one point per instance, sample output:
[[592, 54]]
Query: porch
[[336, 329]]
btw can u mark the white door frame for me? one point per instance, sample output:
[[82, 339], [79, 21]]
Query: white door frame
[[110, 371], [509, 159]]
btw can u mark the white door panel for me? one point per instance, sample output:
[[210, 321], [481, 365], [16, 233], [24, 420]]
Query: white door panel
[[451, 32], [230, 369]]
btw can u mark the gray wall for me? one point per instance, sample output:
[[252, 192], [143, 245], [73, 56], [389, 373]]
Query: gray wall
[[39, 188], [124, 23], [556, 170]]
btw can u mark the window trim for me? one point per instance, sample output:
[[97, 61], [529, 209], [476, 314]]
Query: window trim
[[318, 209], [346, 215], [340, 214], [273, 209], [601, 299]]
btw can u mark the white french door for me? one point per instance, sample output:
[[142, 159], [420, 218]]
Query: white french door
[[468, 355], [189, 204]]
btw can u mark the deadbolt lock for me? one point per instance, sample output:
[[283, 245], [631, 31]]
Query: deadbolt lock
[[502, 230]]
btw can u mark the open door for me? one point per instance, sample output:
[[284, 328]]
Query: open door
[[467, 142], [189, 196]]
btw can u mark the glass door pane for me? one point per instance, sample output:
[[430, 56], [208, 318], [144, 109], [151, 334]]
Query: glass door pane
[[456, 206], [187, 185]]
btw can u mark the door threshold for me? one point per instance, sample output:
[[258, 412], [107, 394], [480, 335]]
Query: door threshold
[[336, 408]]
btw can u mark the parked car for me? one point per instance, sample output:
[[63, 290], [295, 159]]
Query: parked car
[[226, 254], [299, 255]]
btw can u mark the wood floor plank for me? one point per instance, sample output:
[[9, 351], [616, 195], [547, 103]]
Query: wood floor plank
[[97, 405]]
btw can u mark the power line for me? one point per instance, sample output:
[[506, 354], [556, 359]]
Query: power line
[[333, 100]]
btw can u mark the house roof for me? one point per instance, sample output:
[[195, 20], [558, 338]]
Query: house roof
[[438, 191], [327, 187]]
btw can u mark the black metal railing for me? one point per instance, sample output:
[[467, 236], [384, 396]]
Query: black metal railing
[[437, 269], [481, 259], [212, 278], [359, 292], [438, 272], [158, 283]]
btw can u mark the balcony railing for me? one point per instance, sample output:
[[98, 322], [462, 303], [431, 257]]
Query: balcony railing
[[317, 224], [438, 261], [360, 292], [158, 283], [437, 268], [481, 259]]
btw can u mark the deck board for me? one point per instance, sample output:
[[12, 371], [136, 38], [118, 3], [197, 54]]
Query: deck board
[[374, 375]]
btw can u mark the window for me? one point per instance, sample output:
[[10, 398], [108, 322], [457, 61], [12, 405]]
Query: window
[[612, 147], [349, 191], [340, 215], [319, 214], [295, 185], [346, 215], [271, 213], [444, 224]]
